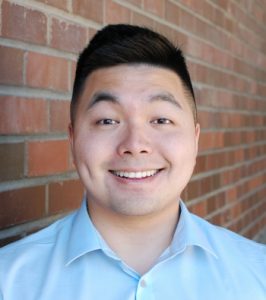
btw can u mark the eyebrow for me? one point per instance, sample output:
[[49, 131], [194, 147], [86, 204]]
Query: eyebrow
[[167, 97], [102, 97]]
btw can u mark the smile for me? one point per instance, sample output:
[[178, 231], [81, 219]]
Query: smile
[[133, 175]]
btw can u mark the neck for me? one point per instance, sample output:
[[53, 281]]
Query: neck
[[137, 240]]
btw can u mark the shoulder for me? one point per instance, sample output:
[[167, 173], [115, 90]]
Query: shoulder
[[231, 246], [35, 245], [239, 264], [24, 264]]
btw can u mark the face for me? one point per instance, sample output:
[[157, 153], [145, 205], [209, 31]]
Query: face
[[134, 140]]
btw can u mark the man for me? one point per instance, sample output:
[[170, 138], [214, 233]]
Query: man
[[134, 137]]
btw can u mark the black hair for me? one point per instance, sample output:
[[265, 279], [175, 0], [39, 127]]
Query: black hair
[[127, 44]]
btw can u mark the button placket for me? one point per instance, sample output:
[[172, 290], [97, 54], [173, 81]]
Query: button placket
[[144, 289], [143, 283]]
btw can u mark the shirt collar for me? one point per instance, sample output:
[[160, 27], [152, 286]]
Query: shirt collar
[[84, 237], [189, 232]]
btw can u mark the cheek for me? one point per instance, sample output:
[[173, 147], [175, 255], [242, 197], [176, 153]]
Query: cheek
[[83, 148], [87, 161], [92, 151], [180, 148]]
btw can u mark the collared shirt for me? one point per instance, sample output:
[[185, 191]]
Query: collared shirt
[[70, 260]]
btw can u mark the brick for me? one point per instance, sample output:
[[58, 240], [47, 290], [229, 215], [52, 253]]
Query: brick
[[220, 200], [206, 184], [156, 7], [21, 115], [223, 4], [167, 31], [68, 37], [201, 73], [215, 160], [216, 181], [201, 164], [73, 72], [206, 141], [47, 157], [172, 13], [216, 219], [134, 2], [199, 209], [218, 139], [189, 22], [49, 72], [194, 47], [258, 13], [236, 210], [210, 205], [180, 40], [62, 4], [22, 205], [115, 13], [141, 20], [92, 32], [231, 195], [11, 239], [204, 118], [11, 161], [200, 7], [23, 24], [193, 189], [218, 18], [255, 182], [59, 116], [11, 65], [65, 196], [89, 9], [30, 228]]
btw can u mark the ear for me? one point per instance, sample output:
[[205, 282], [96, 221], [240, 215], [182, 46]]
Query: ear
[[197, 135]]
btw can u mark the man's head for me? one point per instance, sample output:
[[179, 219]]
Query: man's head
[[134, 134], [126, 44]]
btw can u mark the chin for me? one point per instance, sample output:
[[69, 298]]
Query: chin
[[137, 206]]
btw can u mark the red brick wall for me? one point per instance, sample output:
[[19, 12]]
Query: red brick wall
[[224, 41]]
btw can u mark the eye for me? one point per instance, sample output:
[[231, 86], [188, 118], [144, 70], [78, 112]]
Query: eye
[[162, 121], [107, 122]]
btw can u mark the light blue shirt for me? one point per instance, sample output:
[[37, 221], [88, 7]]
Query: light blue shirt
[[69, 260]]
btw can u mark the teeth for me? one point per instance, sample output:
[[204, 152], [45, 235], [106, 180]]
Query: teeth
[[135, 174]]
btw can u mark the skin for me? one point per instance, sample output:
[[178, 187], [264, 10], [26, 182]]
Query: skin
[[134, 118]]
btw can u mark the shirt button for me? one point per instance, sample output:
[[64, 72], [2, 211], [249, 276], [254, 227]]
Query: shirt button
[[143, 283]]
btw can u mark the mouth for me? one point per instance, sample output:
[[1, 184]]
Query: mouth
[[137, 174]]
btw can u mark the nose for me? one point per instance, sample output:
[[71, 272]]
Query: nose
[[135, 141]]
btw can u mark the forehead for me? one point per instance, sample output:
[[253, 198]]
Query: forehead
[[131, 79]]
